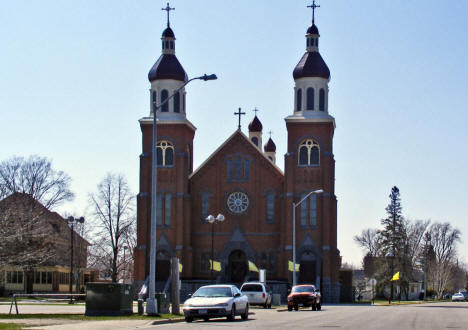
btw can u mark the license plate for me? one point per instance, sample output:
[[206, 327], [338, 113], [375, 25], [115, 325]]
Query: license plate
[[202, 311], [300, 304]]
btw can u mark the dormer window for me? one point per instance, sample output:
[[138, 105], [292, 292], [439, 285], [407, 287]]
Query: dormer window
[[177, 102]]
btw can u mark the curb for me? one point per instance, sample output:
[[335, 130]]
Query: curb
[[166, 321]]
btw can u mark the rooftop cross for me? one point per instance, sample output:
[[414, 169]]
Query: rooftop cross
[[239, 114], [255, 110], [168, 9], [269, 132], [313, 6]]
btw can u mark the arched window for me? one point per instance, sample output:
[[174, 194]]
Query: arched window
[[308, 42], [255, 141], [310, 98], [163, 44], [183, 103], [322, 99], [165, 153], [177, 102], [299, 100], [270, 207], [172, 44], [164, 96], [153, 101], [309, 153], [167, 44]]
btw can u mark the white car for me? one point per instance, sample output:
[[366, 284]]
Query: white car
[[458, 297], [211, 301], [257, 294]]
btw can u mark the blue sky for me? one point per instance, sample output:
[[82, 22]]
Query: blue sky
[[73, 84]]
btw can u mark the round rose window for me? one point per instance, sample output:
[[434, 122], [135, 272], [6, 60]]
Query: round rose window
[[237, 202]]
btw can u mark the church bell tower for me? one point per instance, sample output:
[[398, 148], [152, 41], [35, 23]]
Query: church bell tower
[[174, 148], [310, 166]]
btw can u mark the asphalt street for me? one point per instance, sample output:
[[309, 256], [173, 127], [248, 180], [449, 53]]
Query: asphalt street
[[421, 316], [418, 316]]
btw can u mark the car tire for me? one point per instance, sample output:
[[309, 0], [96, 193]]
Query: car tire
[[265, 305], [206, 318], [245, 316], [319, 306], [314, 306], [269, 306], [232, 316], [188, 319], [296, 307], [289, 308]]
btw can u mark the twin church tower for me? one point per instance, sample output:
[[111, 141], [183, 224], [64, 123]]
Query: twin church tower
[[243, 182]]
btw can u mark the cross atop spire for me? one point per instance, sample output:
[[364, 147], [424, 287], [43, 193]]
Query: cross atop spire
[[239, 113], [313, 6], [255, 110], [270, 132], [168, 9]]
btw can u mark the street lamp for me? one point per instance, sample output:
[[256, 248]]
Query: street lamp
[[211, 219], [72, 221], [319, 191], [151, 304]]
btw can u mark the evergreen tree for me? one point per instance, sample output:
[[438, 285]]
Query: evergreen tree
[[393, 236]]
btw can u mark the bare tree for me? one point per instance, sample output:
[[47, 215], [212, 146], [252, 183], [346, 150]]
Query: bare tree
[[114, 217], [443, 241], [369, 241], [36, 177]]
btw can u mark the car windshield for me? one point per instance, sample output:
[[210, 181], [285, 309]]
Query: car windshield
[[252, 288], [300, 289], [213, 292]]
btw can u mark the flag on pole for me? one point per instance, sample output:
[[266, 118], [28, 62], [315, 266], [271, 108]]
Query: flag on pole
[[180, 267], [252, 267], [396, 277], [215, 265], [290, 266]]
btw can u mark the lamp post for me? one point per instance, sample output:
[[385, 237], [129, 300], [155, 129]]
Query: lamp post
[[211, 219], [72, 221], [151, 305], [319, 191]]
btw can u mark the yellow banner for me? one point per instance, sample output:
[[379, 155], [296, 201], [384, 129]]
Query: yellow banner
[[396, 277], [180, 267], [215, 265], [290, 266], [252, 267]]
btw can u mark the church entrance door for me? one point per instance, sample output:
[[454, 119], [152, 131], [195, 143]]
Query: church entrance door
[[237, 266], [307, 269], [163, 265]]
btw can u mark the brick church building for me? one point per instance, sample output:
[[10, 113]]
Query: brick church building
[[242, 181]]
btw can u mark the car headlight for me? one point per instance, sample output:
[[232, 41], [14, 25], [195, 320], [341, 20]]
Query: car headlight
[[187, 305]]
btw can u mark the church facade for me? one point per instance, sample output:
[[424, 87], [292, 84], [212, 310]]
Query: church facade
[[242, 181]]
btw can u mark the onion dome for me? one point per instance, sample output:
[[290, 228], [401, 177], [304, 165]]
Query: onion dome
[[270, 146], [167, 67], [255, 125], [313, 29], [311, 65], [168, 33]]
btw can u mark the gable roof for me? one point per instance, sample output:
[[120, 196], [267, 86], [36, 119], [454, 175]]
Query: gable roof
[[249, 144], [40, 210]]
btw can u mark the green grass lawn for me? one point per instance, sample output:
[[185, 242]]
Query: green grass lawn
[[13, 326], [87, 318]]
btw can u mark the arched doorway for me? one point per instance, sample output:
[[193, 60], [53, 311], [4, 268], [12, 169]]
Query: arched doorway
[[307, 270], [237, 266], [163, 265]]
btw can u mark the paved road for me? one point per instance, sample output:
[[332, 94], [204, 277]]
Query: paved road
[[423, 316]]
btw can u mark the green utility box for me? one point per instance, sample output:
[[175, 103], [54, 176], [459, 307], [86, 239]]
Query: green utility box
[[163, 302], [108, 299]]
